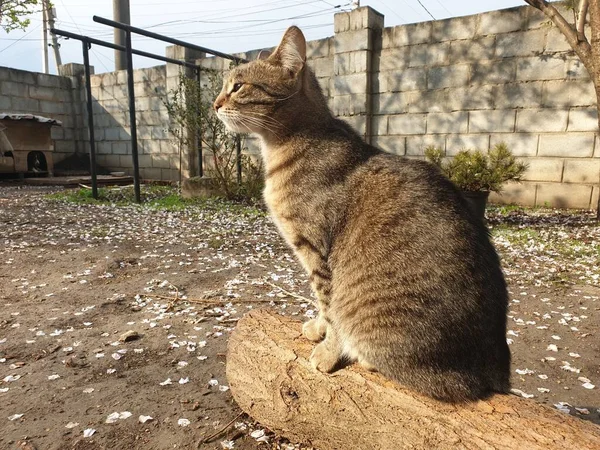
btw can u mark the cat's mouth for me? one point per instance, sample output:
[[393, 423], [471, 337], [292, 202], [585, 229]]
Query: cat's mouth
[[233, 122]]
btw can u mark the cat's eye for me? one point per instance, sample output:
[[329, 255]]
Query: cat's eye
[[237, 87]]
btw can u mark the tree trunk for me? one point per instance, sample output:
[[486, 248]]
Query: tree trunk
[[271, 379]]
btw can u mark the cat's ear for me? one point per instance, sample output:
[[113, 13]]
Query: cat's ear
[[264, 54], [291, 52]]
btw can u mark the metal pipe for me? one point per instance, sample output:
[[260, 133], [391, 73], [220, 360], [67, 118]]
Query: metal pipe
[[199, 126], [132, 121], [88, 90], [238, 156], [93, 41], [161, 37]]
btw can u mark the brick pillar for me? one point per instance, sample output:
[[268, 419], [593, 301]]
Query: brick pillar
[[356, 33], [189, 161]]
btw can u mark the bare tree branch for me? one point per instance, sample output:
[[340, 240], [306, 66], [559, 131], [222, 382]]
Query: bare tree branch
[[581, 15], [578, 43]]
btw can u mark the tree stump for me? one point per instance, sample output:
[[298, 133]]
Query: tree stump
[[272, 381]]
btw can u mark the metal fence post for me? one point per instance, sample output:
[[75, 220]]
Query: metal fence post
[[88, 89]]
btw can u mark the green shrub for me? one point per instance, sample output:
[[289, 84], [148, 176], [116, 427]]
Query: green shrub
[[473, 170]]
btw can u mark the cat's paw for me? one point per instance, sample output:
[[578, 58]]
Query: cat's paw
[[314, 330], [323, 358]]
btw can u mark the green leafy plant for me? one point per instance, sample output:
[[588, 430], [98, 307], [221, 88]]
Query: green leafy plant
[[192, 116], [473, 170], [13, 13]]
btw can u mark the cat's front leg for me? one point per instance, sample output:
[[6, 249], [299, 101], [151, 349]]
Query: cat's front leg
[[315, 329], [326, 355]]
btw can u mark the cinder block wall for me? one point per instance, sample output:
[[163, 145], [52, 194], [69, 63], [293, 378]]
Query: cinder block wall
[[157, 148], [472, 82], [57, 97]]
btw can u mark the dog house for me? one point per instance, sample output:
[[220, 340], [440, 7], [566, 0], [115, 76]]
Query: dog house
[[26, 144]]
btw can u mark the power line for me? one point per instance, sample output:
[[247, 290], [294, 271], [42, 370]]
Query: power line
[[423, 6], [20, 39]]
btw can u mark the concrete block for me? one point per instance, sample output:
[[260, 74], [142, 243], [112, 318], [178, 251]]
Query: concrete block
[[503, 21], [5, 104], [379, 125], [520, 43], [430, 101], [416, 145], [104, 147], [392, 59], [535, 19], [494, 72], [152, 118], [64, 146], [57, 133], [351, 41], [43, 93], [365, 17], [161, 132], [341, 22], [319, 48], [396, 103], [169, 147], [96, 80], [562, 195], [520, 144], [515, 193], [121, 148], [161, 161], [113, 133], [429, 54], [53, 108], [323, 67], [454, 29], [519, 95], [350, 63], [583, 119], [567, 145], [569, 93], [448, 76], [25, 105], [595, 196], [350, 84], [556, 41], [471, 97], [543, 169], [407, 80], [126, 162], [575, 69], [112, 162], [391, 144], [492, 121], [387, 38], [404, 124], [458, 142], [545, 67], [443, 123], [416, 33], [542, 120], [472, 50], [142, 104], [21, 76], [149, 146], [169, 174], [582, 171], [13, 89], [150, 174], [358, 122]]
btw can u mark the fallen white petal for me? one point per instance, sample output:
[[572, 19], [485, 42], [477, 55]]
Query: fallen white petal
[[166, 382], [144, 419], [53, 377], [15, 417], [88, 432], [183, 422], [71, 425]]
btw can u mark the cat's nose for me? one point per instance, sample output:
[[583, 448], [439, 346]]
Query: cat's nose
[[217, 104]]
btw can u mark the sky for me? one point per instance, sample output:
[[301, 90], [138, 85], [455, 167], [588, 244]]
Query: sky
[[227, 26]]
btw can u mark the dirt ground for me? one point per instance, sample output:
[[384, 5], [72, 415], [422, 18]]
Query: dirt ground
[[75, 279]]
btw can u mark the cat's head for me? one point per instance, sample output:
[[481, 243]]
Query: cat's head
[[268, 96]]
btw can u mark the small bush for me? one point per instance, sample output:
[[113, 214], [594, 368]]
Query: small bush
[[473, 170]]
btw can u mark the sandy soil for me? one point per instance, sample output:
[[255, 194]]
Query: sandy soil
[[74, 279]]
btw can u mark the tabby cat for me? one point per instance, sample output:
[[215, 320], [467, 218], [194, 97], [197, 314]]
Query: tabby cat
[[407, 280]]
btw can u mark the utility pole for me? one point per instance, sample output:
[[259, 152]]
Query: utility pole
[[44, 39], [50, 13], [121, 13]]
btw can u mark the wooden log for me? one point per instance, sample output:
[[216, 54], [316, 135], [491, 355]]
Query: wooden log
[[271, 380]]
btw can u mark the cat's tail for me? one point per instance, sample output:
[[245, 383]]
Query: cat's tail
[[451, 385]]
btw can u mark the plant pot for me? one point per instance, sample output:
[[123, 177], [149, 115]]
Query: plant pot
[[477, 200]]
